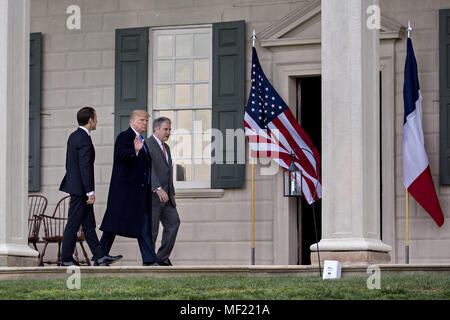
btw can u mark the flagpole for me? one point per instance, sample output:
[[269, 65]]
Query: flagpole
[[253, 37], [407, 229], [407, 193], [253, 214]]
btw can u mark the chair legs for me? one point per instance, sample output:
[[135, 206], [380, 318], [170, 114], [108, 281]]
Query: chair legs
[[39, 254], [41, 258], [58, 261]]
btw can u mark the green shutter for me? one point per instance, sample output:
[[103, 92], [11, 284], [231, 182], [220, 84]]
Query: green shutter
[[131, 75], [34, 156], [444, 93], [228, 99]]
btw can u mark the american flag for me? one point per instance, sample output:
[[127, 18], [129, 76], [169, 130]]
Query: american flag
[[273, 132]]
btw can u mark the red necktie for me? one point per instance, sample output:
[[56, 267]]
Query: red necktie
[[164, 150]]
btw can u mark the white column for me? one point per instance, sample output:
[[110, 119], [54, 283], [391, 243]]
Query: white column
[[14, 87], [350, 131]]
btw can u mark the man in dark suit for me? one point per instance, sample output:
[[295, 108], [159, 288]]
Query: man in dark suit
[[163, 195], [128, 211], [79, 183]]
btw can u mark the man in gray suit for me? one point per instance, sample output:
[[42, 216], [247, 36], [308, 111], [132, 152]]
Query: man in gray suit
[[163, 195]]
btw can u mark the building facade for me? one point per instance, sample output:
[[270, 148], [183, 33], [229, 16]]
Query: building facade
[[342, 78]]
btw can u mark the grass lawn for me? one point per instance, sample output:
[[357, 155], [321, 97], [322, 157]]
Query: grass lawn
[[231, 288]]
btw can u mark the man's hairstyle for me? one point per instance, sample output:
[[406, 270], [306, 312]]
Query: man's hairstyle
[[84, 114], [136, 113], [158, 121]]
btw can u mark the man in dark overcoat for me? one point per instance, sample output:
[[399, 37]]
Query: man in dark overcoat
[[128, 211]]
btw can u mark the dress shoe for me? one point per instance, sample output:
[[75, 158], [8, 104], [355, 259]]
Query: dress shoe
[[166, 263], [69, 263], [105, 261], [114, 258], [151, 264]]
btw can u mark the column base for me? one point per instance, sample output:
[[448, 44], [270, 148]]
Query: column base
[[18, 255], [352, 257], [18, 261]]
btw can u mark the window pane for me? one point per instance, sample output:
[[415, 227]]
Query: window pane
[[164, 46], [183, 70], [183, 145], [164, 96], [202, 120], [202, 147], [202, 45], [182, 95], [183, 170], [184, 120], [164, 71], [183, 45], [202, 172], [201, 94], [198, 146], [167, 114], [182, 66], [201, 70]]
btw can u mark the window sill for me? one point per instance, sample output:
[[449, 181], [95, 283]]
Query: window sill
[[199, 193]]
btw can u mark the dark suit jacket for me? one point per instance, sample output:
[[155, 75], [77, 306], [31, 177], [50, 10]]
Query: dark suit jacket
[[162, 175], [127, 198], [80, 157]]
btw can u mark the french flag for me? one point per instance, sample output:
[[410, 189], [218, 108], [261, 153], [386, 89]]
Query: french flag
[[416, 169]]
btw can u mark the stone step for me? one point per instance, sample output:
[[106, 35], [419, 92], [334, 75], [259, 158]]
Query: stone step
[[16, 273]]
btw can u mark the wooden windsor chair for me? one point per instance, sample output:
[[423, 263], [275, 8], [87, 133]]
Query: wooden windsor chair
[[37, 204], [54, 230]]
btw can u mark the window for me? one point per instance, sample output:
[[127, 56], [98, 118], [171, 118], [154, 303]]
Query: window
[[181, 91]]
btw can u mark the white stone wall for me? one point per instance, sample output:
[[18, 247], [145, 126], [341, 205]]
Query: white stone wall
[[78, 69], [428, 243]]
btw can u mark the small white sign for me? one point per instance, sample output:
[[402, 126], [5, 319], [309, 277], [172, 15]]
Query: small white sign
[[332, 269]]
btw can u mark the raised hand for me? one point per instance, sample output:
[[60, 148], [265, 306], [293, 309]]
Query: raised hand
[[138, 143]]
